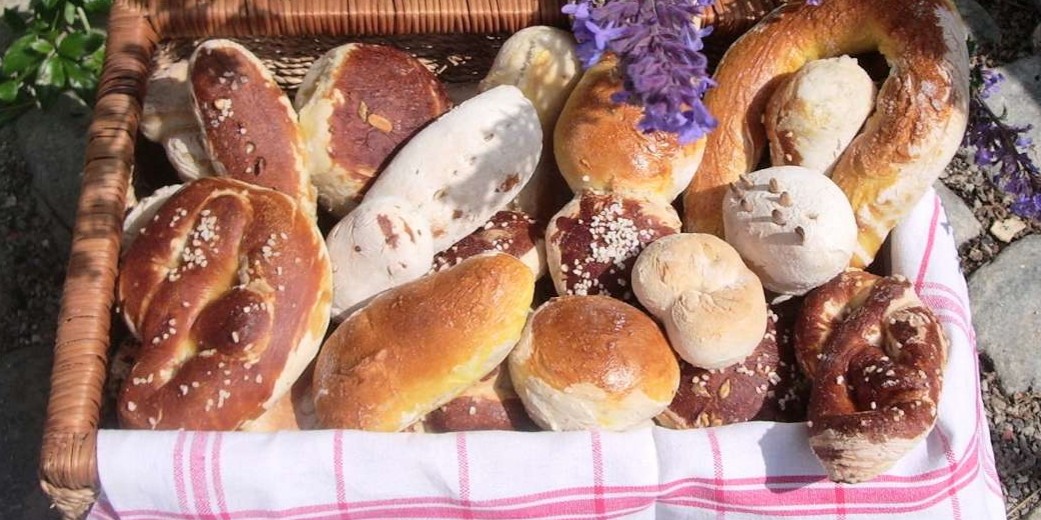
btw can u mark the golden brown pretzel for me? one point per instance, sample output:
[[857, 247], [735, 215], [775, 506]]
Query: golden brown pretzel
[[877, 382], [919, 118], [228, 289]]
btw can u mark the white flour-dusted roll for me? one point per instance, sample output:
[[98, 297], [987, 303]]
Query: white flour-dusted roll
[[467, 165], [380, 245], [167, 118]]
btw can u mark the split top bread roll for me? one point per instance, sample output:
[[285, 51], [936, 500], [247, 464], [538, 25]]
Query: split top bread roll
[[228, 290], [249, 126], [918, 123], [593, 362], [599, 147], [416, 347], [357, 104]]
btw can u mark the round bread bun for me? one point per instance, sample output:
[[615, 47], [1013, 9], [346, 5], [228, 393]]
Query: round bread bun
[[599, 146], [592, 362], [418, 346], [357, 104], [818, 111], [592, 243], [491, 404], [228, 290], [792, 225], [918, 123], [511, 232], [713, 307]]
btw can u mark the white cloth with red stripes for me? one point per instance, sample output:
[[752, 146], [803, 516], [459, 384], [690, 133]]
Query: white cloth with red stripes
[[741, 471]]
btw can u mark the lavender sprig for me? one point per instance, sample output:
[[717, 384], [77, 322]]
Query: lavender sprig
[[1002, 144], [659, 52]]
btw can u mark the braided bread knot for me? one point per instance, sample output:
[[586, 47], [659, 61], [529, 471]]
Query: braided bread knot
[[876, 355]]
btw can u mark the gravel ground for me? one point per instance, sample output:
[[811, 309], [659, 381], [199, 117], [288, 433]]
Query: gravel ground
[[32, 267]]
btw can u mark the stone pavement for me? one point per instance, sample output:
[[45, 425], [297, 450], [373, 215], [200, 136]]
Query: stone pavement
[[46, 151]]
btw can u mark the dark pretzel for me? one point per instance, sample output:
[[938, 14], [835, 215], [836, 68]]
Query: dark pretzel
[[228, 290], [877, 384]]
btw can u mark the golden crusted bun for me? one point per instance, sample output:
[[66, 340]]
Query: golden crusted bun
[[918, 123], [419, 345], [593, 362], [599, 147], [713, 307], [357, 104], [228, 288]]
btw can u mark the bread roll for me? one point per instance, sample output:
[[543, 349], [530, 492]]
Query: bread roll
[[249, 127], [380, 245], [919, 119], [541, 61], [510, 232], [592, 243], [228, 290], [713, 307], [417, 347], [293, 412], [167, 118], [491, 404], [144, 212], [357, 104], [793, 226], [599, 147], [467, 165], [814, 115], [592, 362]]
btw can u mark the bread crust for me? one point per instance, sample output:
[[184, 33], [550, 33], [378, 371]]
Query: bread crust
[[919, 120]]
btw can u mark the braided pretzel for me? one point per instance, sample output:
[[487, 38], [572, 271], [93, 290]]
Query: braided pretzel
[[228, 290], [919, 118], [875, 354]]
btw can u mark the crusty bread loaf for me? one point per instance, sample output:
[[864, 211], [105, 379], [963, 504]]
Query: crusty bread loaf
[[228, 290], [357, 104], [418, 346], [813, 116], [713, 307], [593, 362], [468, 164], [599, 147], [918, 123], [592, 243], [792, 225], [250, 128]]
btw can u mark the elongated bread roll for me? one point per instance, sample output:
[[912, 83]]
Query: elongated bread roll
[[416, 347]]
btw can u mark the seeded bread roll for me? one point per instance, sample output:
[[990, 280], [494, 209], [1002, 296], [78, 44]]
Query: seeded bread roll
[[511, 232], [599, 147], [592, 243], [712, 306], [227, 289], [592, 362], [793, 226], [357, 104], [416, 347], [249, 126]]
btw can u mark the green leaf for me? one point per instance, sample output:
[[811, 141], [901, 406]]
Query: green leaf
[[42, 46], [8, 91], [70, 13], [73, 45], [97, 6], [19, 58], [95, 60], [14, 20], [51, 73], [49, 4], [79, 78]]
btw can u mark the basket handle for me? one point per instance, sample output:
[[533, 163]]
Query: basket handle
[[196, 18], [68, 462]]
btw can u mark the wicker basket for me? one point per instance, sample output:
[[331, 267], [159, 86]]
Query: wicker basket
[[138, 30]]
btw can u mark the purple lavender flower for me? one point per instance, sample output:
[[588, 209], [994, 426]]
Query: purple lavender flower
[[1003, 145], [659, 53]]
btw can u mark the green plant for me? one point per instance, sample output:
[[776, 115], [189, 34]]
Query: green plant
[[56, 50]]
